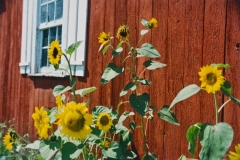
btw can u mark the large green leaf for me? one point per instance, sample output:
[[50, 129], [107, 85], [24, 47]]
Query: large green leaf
[[148, 50], [144, 22], [100, 109], [183, 157], [59, 89], [192, 135], [166, 114], [105, 49], [114, 151], [111, 72], [128, 154], [130, 85], [73, 47], [85, 91], [215, 140], [46, 151], [151, 65], [140, 103], [68, 149], [125, 140], [34, 145], [144, 31], [185, 93]]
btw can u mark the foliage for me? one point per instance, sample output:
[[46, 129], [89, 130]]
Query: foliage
[[70, 130], [215, 139]]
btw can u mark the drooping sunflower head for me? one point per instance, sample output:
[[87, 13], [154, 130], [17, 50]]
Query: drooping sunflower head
[[41, 122], [104, 38], [54, 53], [153, 23], [235, 155], [104, 121], [75, 121], [9, 140], [123, 33], [59, 102], [211, 78]]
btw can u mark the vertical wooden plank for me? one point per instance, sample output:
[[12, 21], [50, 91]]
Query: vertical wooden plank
[[109, 27], [158, 77], [94, 59], [231, 110], [174, 72], [193, 42], [213, 50]]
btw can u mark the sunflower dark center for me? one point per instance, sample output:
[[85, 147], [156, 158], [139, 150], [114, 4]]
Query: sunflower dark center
[[75, 124], [55, 52], [106, 38], [211, 78], [104, 120], [123, 32]]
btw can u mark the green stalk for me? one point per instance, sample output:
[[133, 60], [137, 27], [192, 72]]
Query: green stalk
[[216, 106], [85, 152], [70, 75], [144, 136]]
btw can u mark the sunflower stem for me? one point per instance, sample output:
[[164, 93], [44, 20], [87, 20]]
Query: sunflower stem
[[144, 136], [70, 75], [224, 105], [84, 152], [216, 106]]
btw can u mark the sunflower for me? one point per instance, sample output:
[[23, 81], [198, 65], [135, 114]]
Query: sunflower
[[9, 140], [211, 78], [153, 23], [104, 38], [41, 122], [104, 121], [54, 52], [75, 121], [235, 155], [105, 144], [123, 33], [59, 102]]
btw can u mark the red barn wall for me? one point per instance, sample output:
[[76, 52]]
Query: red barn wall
[[190, 34]]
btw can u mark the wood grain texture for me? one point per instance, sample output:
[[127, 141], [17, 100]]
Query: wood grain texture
[[190, 34]]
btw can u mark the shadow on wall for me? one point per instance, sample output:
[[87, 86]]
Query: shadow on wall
[[2, 6]]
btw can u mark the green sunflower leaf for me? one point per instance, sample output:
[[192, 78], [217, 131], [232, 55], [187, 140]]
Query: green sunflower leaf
[[140, 103], [226, 88], [144, 31], [128, 154], [151, 65], [105, 49], [149, 156], [129, 86], [117, 51], [192, 135], [68, 149], [125, 140], [111, 72], [132, 125], [185, 93], [59, 89], [167, 115], [144, 81], [119, 44], [114, 151], [100, 109], [183, 157], [144, 22], [73, 47], [221, 65], [85, 91], [215, 140], [148, 50], [45, 150]]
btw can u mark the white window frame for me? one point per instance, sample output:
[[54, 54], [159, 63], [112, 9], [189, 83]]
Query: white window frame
[[73, 29]]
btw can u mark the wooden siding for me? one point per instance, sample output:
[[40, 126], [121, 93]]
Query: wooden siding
[[190, 34]]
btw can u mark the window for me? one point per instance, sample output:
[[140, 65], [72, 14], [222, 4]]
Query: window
[[47, 20]]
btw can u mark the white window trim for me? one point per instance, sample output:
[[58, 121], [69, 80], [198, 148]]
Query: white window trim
[[73, 30]]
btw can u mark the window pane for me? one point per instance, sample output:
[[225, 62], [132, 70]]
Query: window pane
[[45, 38], [44, 57], [43, 1], [52, 34], [51, 11], [59, 35], [59, 9], [43, 13]]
